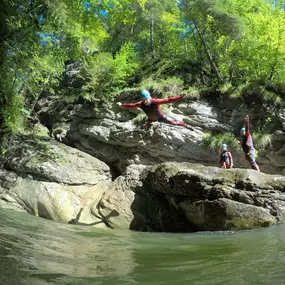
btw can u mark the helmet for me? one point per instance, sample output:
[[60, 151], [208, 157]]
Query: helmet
[[223, 145], [145, 94], [242, 130]]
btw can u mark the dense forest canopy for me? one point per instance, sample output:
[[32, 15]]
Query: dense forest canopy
[[229, 44]]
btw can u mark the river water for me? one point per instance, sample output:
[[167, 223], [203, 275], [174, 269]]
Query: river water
[[35, 251]]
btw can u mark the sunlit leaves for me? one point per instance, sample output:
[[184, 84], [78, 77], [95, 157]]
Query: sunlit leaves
[[214, 141], [259, 51], [142, 3], [39, 36], [106, 74], [240, 41]]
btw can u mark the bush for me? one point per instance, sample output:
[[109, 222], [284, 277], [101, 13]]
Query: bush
[[163, 87], [262, 140], [106, 74], [214, 141]]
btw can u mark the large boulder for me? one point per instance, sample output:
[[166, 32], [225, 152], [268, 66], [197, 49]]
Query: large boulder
[[48, 160], [52, 180], [217, 199]]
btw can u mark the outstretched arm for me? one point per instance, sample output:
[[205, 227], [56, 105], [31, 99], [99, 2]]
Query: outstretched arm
[[132, 105], [247, 124], [167, 100]]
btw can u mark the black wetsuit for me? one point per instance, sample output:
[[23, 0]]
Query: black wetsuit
[[154, 113]]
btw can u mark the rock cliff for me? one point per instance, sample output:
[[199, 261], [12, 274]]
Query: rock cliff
[[58, 182]]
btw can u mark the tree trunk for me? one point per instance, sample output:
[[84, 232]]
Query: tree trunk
[[152, 36], [211, 61], [272, 71]]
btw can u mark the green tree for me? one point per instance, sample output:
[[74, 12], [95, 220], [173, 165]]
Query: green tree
[[36, 38], [106, 73], [258, 52]]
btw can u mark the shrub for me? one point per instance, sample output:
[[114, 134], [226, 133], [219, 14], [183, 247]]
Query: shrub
[[262, 140], [166, 87], [214, 141]]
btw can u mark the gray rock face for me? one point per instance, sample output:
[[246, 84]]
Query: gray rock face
[[71, 76], [74, 184], [49, 160], [116, 136], [54, 181], [110, 134], [121, 143], [216, 199]]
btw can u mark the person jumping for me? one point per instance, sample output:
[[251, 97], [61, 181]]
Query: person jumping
[[151, 107], [247, 145]]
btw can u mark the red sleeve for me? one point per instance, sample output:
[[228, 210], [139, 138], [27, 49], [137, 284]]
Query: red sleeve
[[132, 105], [247, 128], [231, 158], [167, 100]]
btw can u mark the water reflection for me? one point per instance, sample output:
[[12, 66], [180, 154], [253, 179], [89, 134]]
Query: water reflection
[[49, 250]]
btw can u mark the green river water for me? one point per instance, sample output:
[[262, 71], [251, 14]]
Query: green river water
[[41, 252]]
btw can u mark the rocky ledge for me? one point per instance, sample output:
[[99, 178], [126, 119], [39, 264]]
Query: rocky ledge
[[54, 181]]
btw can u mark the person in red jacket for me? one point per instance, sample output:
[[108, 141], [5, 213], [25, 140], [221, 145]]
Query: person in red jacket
[[247, 145], [151, 107]]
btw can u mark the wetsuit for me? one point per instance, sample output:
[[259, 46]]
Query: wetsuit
[[248, 148], [226, 159], [154, 113]]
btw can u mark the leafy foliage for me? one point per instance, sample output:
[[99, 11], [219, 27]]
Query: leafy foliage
[[36, 38], [236, 47], [262, 140], [214, 141], [106, 74], [167, 87]]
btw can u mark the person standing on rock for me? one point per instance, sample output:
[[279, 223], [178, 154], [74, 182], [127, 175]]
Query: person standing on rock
[[151, 107], [226, 159], [247, 145]]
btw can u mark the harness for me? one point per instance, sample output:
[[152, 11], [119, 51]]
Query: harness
[[226, 158], [152, 111]]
